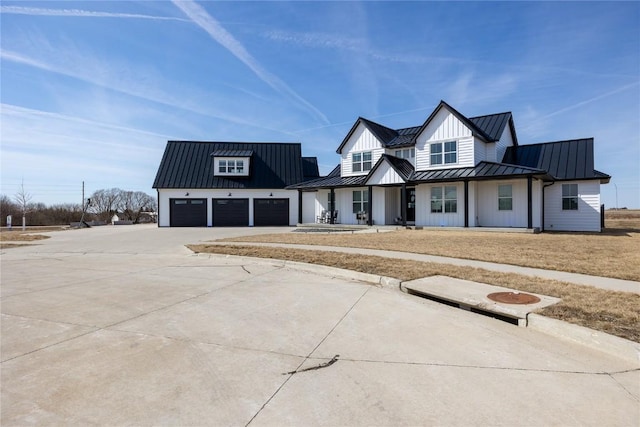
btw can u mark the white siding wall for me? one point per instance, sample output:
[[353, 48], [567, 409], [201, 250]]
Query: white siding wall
[[483, 150], [165, 194], [425, 218], [445, 127], [392, 204], [586, 218], [361, 140], [311, 207], [473, 203], [385, 175], [501, 146], [379, 210], [488, 213]]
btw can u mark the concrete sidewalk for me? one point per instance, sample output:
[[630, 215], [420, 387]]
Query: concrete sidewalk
[[123, 326], [580, 279]]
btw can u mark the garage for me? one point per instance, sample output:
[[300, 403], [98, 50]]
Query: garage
[[270, 212], [188, 212], [230, 212]]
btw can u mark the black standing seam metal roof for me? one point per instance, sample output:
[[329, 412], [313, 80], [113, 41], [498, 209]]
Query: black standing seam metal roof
[[563, 160], [482, 171], [488, 128], [310, 168], [190, 164], [493, 125]]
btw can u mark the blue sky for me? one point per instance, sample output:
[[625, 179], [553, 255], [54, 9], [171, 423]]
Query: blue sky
[[91, 91]]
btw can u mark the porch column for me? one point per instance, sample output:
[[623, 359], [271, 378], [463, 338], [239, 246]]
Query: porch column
[[299, 206], [466, 204], [370, 207], [403, 204], [333, 205], [529, 202]]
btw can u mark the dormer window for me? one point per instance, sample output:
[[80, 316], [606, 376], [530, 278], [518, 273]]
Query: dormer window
[[231, 163], [444, 153], [361, 161], [231, 167], [407, 153]]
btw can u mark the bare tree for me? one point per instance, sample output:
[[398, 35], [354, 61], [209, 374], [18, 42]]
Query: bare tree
[[133, 203], [23, 198], [7, 207], [104, 203]]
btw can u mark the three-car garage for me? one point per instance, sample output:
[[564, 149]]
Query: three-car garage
[[229, 212]]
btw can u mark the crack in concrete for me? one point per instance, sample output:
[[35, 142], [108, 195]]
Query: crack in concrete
[[307, 357]]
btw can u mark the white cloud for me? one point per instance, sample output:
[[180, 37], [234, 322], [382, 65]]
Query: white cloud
[[79, 13], [209, 24]]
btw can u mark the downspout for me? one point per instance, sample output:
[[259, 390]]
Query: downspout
[[543, 187]]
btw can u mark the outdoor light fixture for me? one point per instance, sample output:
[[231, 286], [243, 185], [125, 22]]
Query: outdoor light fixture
[[270, 194], [186, 194], [229, 195]]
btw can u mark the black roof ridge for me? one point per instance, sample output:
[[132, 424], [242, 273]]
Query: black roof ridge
[[492, 114], [232, 142], [556, 142]]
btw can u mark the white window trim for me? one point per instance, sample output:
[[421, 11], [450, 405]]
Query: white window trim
[[443, 199], [364, 201], [226, 160], [505, 197], [443, 153], [361, 162], [577, 197], [405, 153]]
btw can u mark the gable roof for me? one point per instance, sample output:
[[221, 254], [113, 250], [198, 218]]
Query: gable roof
[[488, 128], [402, 167], [477, 131], [563, 160], [493, 125], [190, 164], [383, 133]]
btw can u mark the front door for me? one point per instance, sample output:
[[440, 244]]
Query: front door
[[410, 197]]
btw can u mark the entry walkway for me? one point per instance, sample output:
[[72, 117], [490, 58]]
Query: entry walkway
[[580, 279]]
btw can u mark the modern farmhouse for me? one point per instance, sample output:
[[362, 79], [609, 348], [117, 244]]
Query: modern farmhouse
[[455, 171], [451, 171], [223, 184]]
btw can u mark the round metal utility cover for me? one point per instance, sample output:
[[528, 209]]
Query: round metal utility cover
[[513, 298]]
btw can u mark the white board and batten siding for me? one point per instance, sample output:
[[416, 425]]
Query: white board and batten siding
[[488, 214], [425, 218], [585, 218], [385, 175], [442, 128], [361, 140], [164, 196]]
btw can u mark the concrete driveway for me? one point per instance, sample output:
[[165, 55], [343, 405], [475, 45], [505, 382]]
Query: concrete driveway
[[124, 326]]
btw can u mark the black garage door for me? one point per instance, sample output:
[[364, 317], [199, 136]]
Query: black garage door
[[270, 212], [230, 212], [188, 212]]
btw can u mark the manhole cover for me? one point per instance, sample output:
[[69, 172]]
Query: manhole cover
[[513, 298]]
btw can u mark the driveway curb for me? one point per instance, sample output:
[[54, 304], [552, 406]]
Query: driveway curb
[[588, 337], [601, 341]]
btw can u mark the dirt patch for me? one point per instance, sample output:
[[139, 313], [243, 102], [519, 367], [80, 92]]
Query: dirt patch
[[612, 312], [30, 234]]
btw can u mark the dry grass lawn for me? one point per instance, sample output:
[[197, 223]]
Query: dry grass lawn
[[612, 312], [613, 253]]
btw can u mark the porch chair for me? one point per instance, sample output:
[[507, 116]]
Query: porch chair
[[322, 217]]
